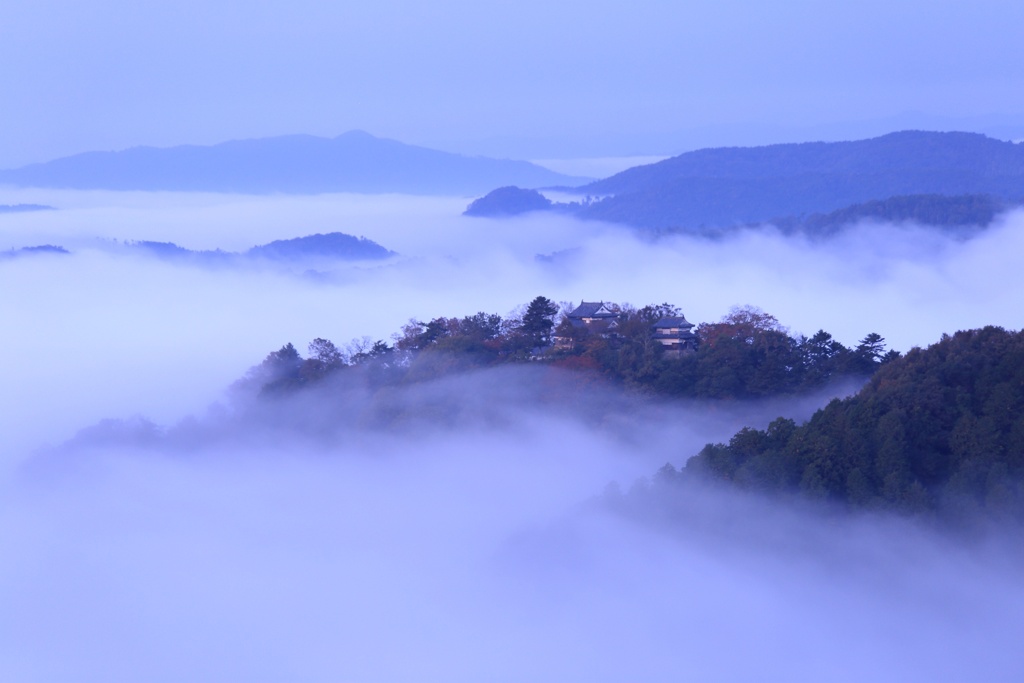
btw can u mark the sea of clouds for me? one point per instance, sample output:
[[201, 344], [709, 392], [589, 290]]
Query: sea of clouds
[[464, 551]]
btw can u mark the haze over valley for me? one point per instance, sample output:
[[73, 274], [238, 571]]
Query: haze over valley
[[133, 336]]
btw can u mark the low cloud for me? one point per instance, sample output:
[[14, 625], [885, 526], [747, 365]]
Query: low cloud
[[464, 550]]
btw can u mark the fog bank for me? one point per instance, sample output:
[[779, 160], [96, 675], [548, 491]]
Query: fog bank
[[468, 552], [301, 543]]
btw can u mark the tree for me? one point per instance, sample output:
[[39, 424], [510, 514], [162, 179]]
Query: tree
[[365, 349], [280, 369], [326, 352], [872, 347], [284, 361], [822, 357], [652, 313], [324, 358], [748, 353], [539, 321], [868, 354], [481, 326]]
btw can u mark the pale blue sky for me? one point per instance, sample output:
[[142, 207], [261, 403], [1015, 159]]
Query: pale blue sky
[[529, 79]]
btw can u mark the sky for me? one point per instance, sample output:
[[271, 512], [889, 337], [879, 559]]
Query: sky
[[544, 80]]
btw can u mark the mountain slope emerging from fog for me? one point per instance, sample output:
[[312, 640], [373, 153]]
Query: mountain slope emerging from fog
[[726, 187], [32, 251], [968, 211], [940, 430], [334, 246], [508, 201], [299, 164], [22, 208]]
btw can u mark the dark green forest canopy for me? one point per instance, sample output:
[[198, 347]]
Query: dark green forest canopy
[[939, 431], [747, 354]]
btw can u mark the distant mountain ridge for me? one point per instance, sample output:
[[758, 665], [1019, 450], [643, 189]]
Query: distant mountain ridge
[[333, 246], [310, 250], [905, 150], [734, 185], [297, 164], [32, 251], [23, 208], [711, 189]]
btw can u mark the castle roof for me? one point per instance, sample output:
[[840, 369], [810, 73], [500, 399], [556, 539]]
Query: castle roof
[[673, 321], [592, 309]]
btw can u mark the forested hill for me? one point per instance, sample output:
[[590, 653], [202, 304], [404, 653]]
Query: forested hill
[[938, 431], [302, 164], [748, 354], [729, 186]]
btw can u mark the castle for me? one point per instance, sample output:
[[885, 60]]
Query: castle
[[674, 333]]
